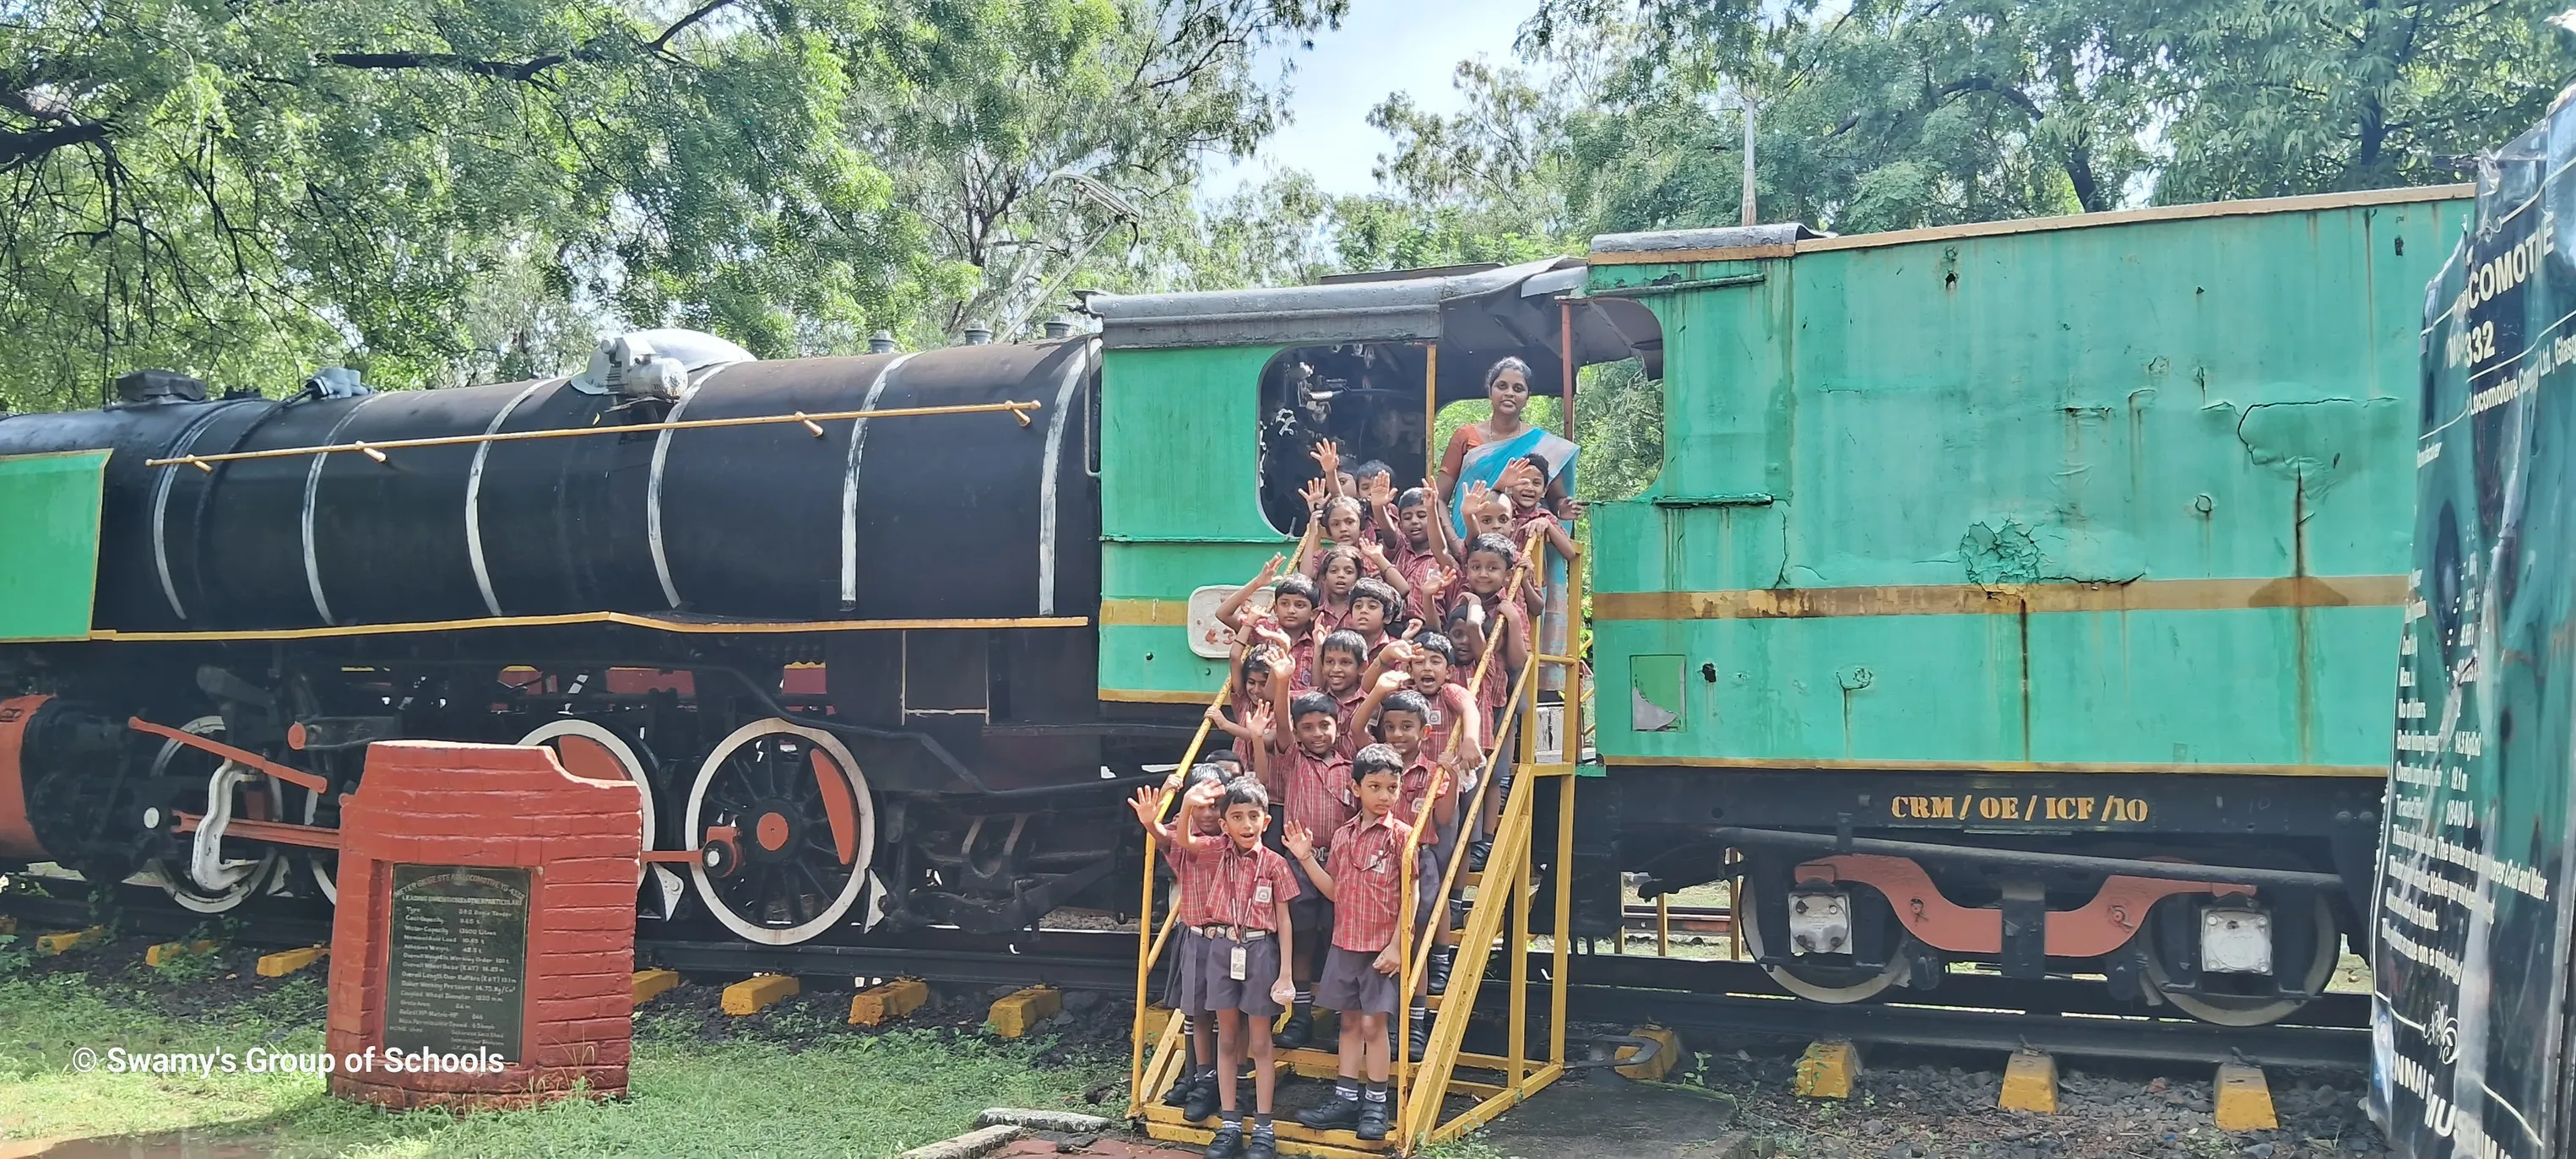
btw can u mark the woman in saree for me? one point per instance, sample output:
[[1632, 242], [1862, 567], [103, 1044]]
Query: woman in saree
[[1479, 452], [1475, 460]]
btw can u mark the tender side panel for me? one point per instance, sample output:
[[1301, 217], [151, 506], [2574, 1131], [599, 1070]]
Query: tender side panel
[[2124, 496], [49, 512]]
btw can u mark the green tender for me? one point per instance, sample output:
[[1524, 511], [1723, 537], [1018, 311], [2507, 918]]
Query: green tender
[[1953, 501], [49, 509]]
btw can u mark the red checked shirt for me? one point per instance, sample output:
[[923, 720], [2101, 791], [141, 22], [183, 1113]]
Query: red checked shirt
[[1413, 797], [1318, 793], [1367, 898], [1194, 880], [1304, 653], [1448, 707], [1345, 708], [1247, 885]]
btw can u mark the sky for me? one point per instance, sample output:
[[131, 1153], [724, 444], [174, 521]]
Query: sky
[[1383, 46]]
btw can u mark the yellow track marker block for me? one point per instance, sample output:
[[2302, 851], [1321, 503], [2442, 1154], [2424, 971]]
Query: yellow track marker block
[[1014, 1015], [2244, 1100], [1827, 1070], [2030, 1083], [873, 1006], [652, 984], [758, 992], [64, 942], [285, 962], [173, 951], [1653, 1069]]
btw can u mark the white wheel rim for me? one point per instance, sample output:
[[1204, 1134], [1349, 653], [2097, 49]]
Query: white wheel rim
[[867, 822], [619, 750], [326, 877], [176, 883]]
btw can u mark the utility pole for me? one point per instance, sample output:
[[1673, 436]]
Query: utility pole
[[1744, 95]]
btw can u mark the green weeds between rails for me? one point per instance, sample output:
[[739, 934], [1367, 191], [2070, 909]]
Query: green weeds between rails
[[841, 1094]]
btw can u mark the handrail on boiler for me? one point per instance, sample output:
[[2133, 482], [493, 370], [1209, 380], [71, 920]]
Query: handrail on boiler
[[812, 422]]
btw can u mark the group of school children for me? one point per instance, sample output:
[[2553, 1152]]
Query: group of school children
[[1356, 731]]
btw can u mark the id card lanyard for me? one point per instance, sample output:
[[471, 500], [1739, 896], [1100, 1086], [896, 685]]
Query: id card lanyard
[[1236, 963]]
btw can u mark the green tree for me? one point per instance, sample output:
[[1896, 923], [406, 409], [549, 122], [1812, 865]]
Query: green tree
[[1045, 142], [2350, 94], [246, 190]]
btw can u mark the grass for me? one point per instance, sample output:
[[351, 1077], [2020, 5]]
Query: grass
[[845, 1095]]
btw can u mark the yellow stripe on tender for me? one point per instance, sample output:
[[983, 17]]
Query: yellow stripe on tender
[[2176, 595], [2088, 767]]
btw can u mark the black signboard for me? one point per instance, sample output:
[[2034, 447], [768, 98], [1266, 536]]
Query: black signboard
[[456, 962], [2471, 921]]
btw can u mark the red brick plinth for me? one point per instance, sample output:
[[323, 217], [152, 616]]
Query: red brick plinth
[[433, 803]]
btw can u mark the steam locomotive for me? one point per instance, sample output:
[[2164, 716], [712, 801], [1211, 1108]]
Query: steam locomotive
[[848, 658]]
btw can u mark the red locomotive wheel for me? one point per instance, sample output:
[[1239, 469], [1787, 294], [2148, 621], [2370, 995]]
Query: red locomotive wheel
[[804, 831]]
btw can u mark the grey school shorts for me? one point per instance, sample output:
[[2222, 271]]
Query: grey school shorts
[[1311, 910], [1184, 993], [1251, 995], [1352, 984]]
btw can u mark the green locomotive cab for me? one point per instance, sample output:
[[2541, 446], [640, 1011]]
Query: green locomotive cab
[[1210, 402]]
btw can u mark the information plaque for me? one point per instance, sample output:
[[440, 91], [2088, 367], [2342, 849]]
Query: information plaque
[[456, 963]]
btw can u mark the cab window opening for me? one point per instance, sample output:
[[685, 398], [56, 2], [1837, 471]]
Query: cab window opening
[[1367, 397]]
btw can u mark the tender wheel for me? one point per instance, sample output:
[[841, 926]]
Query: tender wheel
[[801, 824], [251, 796], [2250, 1009], [1815, 977], [591, 750]]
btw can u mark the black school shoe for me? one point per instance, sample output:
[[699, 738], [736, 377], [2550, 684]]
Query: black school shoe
[[1264, 1144], [1337, 1114], [1421, 1036], [1228, 1143], [1299, 1031], [1182, 1088], [1477, 854], [1203, 1099], [1443, 960], [1372, 1125]]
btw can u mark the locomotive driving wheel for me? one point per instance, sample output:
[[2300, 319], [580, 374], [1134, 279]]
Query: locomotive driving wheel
[[592, 750], [1829, 978], [208, 881], [784, 816]]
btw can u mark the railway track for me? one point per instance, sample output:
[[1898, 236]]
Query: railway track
[[1713, 998]]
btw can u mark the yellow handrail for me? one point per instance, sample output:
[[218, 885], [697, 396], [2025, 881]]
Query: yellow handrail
[[1417, 958], [1150, 939]]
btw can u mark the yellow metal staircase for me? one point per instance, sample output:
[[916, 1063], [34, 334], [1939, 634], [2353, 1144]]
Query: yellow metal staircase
[[1450, 1092]]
